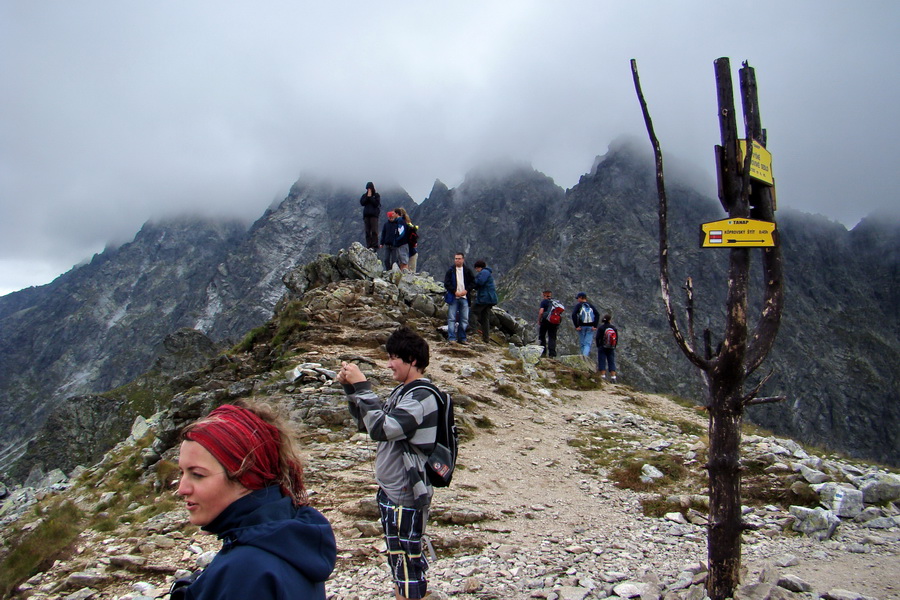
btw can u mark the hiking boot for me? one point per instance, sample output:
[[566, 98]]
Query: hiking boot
[[613, 380]]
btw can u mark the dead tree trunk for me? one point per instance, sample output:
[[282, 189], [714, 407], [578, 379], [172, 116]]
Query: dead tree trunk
[[727, 369]]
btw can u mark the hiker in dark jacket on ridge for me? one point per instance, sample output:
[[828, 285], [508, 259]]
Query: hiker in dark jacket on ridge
[[371, 203], [485, 298], [394, 239], [585, 318]]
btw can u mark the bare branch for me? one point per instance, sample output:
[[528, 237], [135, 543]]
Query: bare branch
[[752, 394], [685, 345], [767, 400]]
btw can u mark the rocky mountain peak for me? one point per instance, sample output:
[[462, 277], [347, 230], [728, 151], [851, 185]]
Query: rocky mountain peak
[[98, 326], [567, 485]]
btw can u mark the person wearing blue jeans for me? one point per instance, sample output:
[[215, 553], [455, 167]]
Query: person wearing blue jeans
[[459, 282], [585, 319]]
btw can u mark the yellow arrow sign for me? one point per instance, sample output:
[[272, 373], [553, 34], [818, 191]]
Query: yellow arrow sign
[[737, 233]]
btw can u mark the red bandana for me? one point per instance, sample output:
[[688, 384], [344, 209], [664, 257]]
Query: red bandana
[[246, 445]]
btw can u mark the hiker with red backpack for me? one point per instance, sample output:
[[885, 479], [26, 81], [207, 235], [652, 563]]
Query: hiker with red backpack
[[412, 425], [549, 317], [607, 340]]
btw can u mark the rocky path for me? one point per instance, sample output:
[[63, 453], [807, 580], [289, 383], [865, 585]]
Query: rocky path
[[558, 530], [529, 515]]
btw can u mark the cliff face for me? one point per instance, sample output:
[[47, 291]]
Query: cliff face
[[98, 326], [836, 356]]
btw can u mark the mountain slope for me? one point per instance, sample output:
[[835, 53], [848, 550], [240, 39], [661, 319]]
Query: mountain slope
[[837, 357]]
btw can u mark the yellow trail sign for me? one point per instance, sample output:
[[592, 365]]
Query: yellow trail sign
[[760, 163], [737, 233]]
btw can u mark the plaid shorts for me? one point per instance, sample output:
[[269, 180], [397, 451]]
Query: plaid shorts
[[403, 529]]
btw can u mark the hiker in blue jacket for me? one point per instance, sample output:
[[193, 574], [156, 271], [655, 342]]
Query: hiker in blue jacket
[[586, 319], [485, 298], [394, 239], [243, 481]]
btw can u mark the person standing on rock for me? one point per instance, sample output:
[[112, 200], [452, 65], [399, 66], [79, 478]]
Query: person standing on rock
[[607, 340], [459, 282], [546, 329], [371, 203], [485, 298], [393, 240], [404, 425], [243, 481], [585, 318], [412, 240]]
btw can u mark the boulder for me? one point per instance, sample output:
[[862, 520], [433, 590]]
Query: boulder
[[881, 487], [815, 522], [843, 500]]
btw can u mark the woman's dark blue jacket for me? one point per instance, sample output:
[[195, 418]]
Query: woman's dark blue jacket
[[270, 550], [484, 285]]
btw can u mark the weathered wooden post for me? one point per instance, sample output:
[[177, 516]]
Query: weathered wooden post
[[745, 191]]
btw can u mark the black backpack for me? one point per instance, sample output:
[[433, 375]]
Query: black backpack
[[440, 464]]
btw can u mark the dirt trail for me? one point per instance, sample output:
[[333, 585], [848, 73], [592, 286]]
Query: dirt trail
[[524, 472]]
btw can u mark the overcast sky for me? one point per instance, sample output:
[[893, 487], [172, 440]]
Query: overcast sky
[[113, 113]]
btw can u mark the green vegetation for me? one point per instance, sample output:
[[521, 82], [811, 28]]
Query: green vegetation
[[290, 322], [253, 337], [627, 472], [145, 395], [167, 473], [600, 446], [508, 390], [483, 422], [560, 376], [60, 525], [658, 506]]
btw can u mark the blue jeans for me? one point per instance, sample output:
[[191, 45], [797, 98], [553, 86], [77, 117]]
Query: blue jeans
[[586, 338], [457, 317]]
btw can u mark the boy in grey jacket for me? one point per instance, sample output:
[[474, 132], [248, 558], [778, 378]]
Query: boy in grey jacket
[[405, 427]]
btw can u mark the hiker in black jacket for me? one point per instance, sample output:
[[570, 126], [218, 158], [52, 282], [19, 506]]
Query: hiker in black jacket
[[585, 319], [459, 284], [371, 203]]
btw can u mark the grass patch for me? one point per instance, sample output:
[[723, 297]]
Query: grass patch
[[684, 402], [628, 472], [636, 400], [483, 422], [167, 473], [508, 391], [600, 446], [291, 320], [253, 337], [658, 506], [559, 375], [37, 550], [690, 428]]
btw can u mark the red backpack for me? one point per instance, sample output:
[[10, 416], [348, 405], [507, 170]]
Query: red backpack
[[556, 312], [610, 338]]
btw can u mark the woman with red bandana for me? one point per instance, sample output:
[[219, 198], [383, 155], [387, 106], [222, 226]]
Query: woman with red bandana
[[243, 481]]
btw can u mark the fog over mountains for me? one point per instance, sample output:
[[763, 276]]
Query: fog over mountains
[[836, 358]]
